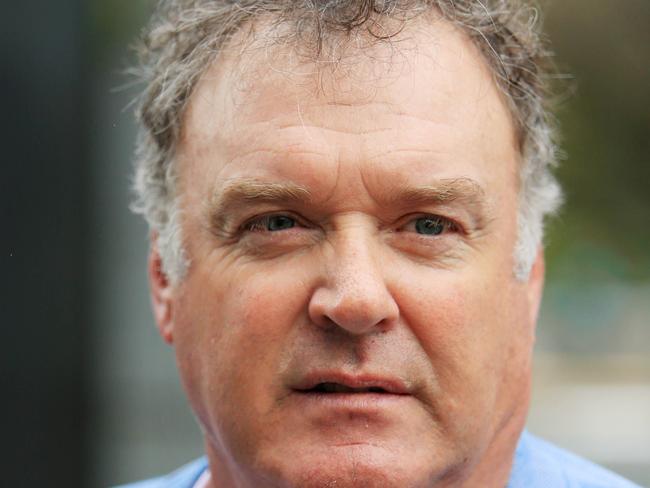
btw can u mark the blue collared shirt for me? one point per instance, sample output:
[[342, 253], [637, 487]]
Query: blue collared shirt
[[540, 464]]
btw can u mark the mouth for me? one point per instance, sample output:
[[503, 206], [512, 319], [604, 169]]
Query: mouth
[[328, 387], [336, 399], [350, 385]]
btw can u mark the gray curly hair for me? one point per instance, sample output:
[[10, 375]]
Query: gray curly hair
[[185, 36]]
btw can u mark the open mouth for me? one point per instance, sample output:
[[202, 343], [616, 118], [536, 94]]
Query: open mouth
[[332, 383], [340, 388]]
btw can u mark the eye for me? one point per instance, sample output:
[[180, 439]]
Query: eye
[[270, 223], [432, 225]]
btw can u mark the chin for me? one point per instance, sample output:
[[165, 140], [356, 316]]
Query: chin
[[353, 466]]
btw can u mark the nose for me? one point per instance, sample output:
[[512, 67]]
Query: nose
[[354, 295]]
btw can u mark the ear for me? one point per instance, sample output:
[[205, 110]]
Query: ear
[[535, 286], [161, 291]]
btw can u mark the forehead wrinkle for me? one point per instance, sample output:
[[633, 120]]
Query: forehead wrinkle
[[311, 116]]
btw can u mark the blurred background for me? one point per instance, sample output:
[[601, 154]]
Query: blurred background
[[91, 394]]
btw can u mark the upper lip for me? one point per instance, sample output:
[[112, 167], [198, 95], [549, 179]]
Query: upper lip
[[390, 385]]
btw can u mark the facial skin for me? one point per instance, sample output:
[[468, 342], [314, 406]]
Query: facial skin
[[352, 227]]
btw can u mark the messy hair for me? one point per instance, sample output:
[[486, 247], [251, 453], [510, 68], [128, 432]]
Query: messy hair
[[186, 36]]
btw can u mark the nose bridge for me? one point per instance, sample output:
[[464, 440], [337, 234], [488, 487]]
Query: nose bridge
[[354, 269], [355, 295]]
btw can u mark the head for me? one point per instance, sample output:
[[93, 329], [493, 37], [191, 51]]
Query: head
[[346, 202]]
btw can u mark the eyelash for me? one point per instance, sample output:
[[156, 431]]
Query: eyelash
[[447, 224], [260, 223]]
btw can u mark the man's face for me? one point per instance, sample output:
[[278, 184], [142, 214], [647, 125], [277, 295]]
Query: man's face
[[350, 315]]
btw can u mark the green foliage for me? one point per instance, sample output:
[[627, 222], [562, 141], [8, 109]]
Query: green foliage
[[604, 230]]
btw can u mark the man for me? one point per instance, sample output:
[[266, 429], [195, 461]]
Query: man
[[346, 201]]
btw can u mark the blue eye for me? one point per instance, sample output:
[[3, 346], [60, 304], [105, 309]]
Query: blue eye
[[279, 222], [270, 223], [431, 226]]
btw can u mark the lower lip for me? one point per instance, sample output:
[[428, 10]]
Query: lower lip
[[344, 418], [351, 401]]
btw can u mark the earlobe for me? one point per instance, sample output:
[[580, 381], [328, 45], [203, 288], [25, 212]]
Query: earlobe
[[161, 291]]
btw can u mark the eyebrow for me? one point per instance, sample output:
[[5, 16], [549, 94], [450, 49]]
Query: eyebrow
[[250, 192], [441, 191]]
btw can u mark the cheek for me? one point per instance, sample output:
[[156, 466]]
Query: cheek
[[231, 334], [259, 312], [443, 315], [471, 330]]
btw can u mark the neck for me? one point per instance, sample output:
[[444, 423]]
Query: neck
[[495, 465]]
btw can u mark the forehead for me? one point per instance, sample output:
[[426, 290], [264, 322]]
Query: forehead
[[427, 89]]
